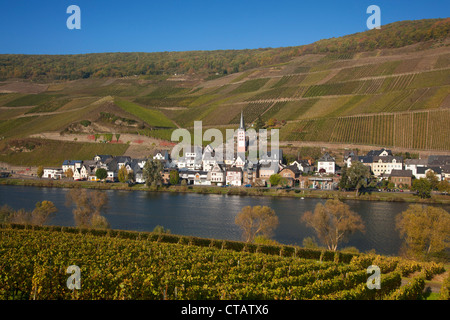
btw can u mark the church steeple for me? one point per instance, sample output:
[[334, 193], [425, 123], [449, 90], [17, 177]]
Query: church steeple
[[241, 125]]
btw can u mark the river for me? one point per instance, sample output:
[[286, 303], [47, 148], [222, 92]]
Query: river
[[212, 216]]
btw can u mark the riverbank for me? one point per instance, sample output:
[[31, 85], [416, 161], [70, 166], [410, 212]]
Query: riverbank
[[242, 191]]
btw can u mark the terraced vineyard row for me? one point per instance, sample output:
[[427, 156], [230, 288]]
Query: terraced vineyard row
[[33, 265], [419, 130], [251, 111]]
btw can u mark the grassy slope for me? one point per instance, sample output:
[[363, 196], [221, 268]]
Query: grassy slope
[[53, 153], [154, 118]]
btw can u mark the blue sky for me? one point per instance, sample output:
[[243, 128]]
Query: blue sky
[[39, 26]]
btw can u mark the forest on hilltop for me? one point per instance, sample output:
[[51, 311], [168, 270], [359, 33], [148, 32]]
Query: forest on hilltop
[[212, 63]]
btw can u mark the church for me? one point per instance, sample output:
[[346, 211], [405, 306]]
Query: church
[[241, 138]]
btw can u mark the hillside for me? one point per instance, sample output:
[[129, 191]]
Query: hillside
[[388, 87], [125, 265]]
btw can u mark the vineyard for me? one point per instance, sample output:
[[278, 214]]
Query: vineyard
[[418, 130], [131, 265]]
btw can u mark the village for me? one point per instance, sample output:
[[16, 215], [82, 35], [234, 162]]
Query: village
[[198, 170], [200, 167]]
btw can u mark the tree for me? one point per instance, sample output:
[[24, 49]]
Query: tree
[[20, 216], [310, 243], [174, 177], [117, 136], [357, 176], [6, 213], [42, 212], [444, 186], [275, 179], [40, 171], [161, 229], [333, 222], [257, 220], [101, 173], [343, 182], [422, 187], [89, 206], [152, 172], [122, 175], [425, 230], [434, 180], [69, 173]]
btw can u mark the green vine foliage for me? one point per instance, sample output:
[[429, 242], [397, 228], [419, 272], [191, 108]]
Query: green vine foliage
[[125, 265]]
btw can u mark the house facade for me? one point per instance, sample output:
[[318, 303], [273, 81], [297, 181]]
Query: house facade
[[291, 174], [327, 164], [234, 176], [217, 175], [53, 173], [401, 178], [383, 165]]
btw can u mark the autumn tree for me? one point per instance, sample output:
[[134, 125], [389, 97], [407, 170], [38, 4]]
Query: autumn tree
[[42, 212], [89, 206], [425, 231], [444, 186], [5, 213], [69, 173], [161, 229], [333, 222], [40, 171], [432, 178], [122, 174], [255, 221]]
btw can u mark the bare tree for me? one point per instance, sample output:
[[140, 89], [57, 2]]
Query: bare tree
[[43, 212], [89, 206], [333, 222], [257, 220]]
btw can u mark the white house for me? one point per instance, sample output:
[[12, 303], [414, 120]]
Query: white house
[[53, 173], [208, 158], [161, 155], [234, 176], [413, 164], [201, 178], [122, 161], [422, 172], [101, 158], [217, 174], [71, 164], [194, 158], [240, 161], [302, 165], [385, 164], [326, 163]]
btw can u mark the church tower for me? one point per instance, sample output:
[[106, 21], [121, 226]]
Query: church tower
[[241, 143]]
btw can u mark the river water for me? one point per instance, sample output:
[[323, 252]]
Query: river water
[[212, 216]]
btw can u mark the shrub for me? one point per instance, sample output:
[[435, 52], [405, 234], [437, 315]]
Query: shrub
[[411, 291], [445, 289]]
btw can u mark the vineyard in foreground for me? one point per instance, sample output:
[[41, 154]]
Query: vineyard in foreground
[[132, 265]]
